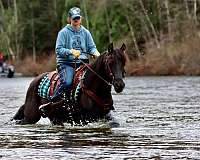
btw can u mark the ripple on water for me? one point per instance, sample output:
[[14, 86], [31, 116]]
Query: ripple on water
[[158, 116]]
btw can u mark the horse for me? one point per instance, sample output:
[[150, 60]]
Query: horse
[[93, 96]]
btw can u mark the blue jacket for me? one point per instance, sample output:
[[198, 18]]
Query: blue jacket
[[69, 38]]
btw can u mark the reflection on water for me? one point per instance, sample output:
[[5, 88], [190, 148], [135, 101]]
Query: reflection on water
[[159, 119]]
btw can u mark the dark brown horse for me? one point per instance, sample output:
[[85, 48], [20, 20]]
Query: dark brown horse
[[93, 99]]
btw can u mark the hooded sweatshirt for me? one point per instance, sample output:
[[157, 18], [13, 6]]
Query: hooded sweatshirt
[[79, 39]]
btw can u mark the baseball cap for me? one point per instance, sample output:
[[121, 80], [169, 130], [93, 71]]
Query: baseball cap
[[74, 12]]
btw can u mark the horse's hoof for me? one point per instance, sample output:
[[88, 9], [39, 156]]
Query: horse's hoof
[[114, 124], [57, 122]]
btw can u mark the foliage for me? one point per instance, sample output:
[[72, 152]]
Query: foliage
[[28, 25]]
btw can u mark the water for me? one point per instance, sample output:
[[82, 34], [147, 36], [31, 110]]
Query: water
[[159, 119]]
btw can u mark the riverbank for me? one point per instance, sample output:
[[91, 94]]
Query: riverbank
[[27, 67], [172, 58]]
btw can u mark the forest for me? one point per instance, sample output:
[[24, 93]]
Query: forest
[[162, 36]]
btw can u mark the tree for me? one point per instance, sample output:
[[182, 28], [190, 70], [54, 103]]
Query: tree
[[150, 23], [131, 29], [166, 2]]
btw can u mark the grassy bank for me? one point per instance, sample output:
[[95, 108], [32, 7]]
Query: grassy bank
[[172, 58], [30, 68]]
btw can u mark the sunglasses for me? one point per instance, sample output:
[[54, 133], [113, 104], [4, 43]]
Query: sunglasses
[[76, 18]]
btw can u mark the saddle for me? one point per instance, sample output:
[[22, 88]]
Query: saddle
[[55, 80]]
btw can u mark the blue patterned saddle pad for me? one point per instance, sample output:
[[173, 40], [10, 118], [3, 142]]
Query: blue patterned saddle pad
[[44, 86]]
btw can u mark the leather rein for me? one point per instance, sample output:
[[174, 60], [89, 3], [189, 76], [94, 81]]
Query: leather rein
[[88, 66]]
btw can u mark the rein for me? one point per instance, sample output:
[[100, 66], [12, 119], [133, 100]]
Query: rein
[[108, 83], [96, 98]]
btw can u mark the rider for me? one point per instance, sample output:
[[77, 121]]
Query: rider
[[74, 43], [1, 62], [1, 58]]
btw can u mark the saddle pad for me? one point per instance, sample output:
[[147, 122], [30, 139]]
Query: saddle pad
[[43, 88], [48, 84]]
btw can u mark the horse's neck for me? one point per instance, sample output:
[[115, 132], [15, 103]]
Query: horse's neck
[[96, 84]]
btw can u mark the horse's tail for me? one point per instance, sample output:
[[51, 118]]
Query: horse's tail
[[20, 113]]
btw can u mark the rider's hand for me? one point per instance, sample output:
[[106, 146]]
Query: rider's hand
[[96, 54], [76, 53]]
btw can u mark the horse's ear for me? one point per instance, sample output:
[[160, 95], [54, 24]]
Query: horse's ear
[[110, 48], [123, 47]]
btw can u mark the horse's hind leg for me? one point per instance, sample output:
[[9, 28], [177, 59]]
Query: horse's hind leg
[[31, 116], [25, 115], [29, 113], [20, 113]]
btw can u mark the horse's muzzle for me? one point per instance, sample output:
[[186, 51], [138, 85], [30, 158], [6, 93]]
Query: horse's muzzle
[[118, 85]]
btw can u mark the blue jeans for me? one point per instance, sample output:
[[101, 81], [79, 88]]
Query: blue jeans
[[66, 73]]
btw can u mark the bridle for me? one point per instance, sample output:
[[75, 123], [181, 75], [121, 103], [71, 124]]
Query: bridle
[[100, 77]]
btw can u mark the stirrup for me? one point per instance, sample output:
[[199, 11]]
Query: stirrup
[[44, 105], [42, 109]]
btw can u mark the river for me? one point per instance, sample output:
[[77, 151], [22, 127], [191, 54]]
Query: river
[[159, 118]]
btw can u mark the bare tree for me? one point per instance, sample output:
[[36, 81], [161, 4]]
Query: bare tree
[[159, 17], [159, 11], [33, 33], [166, 2], [195, 12], [55, 12], [187, 8], [16, 30], [1, 16], [131, 29], [85, 13], [150, 23], [146, 29], [108, 23]]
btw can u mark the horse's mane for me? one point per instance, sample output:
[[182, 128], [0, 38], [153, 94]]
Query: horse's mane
[[99, 60]]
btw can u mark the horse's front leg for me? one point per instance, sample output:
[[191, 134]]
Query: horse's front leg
[[113, 123]]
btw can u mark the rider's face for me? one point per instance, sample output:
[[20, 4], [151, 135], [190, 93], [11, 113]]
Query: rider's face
[[76, 21]]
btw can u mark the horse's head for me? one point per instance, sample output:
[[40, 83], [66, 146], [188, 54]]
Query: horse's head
[[115, 62]]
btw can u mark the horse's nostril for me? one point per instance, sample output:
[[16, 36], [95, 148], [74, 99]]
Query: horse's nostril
[[119, 85]]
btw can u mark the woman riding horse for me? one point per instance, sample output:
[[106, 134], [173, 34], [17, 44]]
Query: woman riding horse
[[73, 43], [92, 96]]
